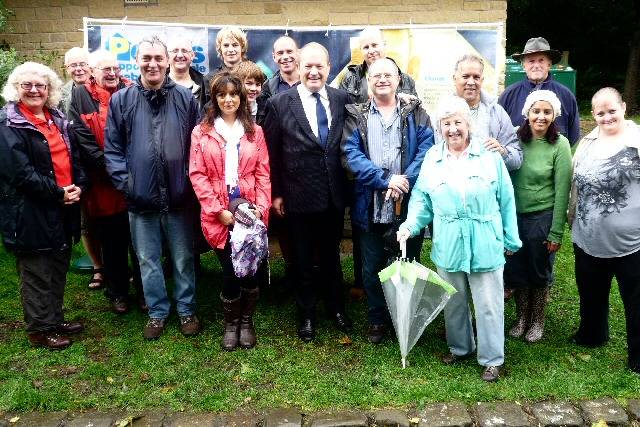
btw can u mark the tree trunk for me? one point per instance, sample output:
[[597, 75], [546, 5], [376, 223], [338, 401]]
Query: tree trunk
[[633, 73]]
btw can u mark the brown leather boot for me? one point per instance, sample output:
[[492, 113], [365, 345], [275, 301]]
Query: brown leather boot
[[232, 310], [538, 301], [522, 312], [247, 330], [50, 340]]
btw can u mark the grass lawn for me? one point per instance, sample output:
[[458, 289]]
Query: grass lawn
[[110, 365]]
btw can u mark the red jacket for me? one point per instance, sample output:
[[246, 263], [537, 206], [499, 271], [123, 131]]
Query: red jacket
[[206, 170], [88, 113]]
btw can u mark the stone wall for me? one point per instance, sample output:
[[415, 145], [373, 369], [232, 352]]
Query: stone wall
[[56, 25]]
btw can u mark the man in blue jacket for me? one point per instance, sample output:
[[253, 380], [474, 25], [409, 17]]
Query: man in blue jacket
[[384, 142], [147, 143], [537, 58]]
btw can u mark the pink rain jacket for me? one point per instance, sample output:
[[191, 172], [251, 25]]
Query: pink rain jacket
[[206, 170]]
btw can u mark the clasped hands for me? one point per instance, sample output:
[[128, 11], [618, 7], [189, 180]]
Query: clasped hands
[[71, 194], [397, 187]]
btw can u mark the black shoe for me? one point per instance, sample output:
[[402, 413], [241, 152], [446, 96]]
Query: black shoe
[[306, 330], [491, 374], [577, 340], [342, 322], [451, 358], [375, 334]]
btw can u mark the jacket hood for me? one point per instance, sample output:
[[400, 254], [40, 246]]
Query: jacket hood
[[361, 69]]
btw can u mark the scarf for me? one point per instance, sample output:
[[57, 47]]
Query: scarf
[[231, 135]]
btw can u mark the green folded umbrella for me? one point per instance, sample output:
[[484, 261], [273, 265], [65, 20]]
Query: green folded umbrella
[[415, 295]]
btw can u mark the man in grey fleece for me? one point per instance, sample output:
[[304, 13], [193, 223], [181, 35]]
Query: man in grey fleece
[[490, 121]]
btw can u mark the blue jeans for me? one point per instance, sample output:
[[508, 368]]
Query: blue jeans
[[147, 231], [487, 294], [374, 259]]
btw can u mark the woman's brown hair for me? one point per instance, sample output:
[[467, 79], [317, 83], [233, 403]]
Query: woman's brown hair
[[218, 86]]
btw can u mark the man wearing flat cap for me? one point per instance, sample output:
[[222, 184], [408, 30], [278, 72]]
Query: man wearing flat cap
[[537, 58]]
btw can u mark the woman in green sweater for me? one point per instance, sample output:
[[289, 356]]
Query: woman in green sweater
[[541, 186]]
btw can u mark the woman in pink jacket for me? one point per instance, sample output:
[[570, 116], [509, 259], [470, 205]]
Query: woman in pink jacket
[[229, 160]]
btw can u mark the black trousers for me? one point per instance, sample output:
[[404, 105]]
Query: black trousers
[[115, 240], [43, 277], [311, 234], [231, 283], [593, 277]]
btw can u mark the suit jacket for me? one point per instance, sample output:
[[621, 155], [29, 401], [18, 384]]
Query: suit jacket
[[307, 175]]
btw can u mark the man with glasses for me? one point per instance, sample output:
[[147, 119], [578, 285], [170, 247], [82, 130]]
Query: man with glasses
[[384, 142], [146, 150], [180, 58], [76, 63], [104, 205]]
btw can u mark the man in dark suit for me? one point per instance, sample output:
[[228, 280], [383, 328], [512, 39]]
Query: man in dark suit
[[303, 127]]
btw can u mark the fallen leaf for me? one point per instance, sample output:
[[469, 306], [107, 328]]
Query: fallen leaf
[[414, 420], [247, 399], [585, 358], [600, 423], [14, 420], [245, 368], [345, 340], [167, 389], [110, 380]]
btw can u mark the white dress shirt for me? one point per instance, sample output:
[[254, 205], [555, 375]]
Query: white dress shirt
[[309, 105]]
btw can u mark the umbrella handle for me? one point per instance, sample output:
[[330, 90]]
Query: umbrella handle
[[403, 248]]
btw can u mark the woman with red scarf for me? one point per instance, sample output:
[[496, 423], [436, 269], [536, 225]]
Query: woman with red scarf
[[41, 183], [104, 204]]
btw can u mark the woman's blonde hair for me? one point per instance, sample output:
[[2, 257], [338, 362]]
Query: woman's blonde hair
[[54, 84]]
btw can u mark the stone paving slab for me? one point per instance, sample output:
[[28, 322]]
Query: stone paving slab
[[283, 417], [235, 420], [390, 418], [189, 420], [149, 419], [91, 419], [606, 409], [39, 419], [339, 419], [501, 414], [634, 408], [552, 414], [453, 414]]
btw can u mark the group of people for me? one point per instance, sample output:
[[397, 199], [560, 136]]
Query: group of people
[[159, 164]]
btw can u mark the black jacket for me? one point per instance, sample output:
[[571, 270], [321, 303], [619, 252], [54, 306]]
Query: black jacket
[[146, 147], [202, 95], [308, 176], [355, 83], [33, 216]]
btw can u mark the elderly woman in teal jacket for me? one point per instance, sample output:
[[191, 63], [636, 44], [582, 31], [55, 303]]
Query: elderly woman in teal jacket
[[467, 193]]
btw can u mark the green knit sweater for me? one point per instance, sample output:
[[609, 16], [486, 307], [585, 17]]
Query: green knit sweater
[[544, 181]]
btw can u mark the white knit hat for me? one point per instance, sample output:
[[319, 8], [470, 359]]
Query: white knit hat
[[542, 95]]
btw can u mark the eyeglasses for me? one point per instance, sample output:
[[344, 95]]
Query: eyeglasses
[[77, 65], [182, 51], [28, 86], [114, 70], [386, 76]]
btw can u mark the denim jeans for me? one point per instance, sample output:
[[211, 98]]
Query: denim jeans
[[487, 293], [374, 259], [147, 232]]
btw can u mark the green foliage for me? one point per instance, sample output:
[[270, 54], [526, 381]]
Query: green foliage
[[110, 366], [9, 59], [4, 15]]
